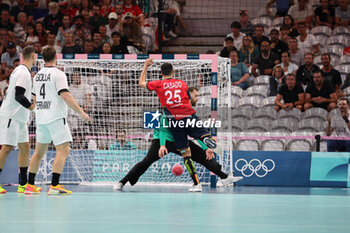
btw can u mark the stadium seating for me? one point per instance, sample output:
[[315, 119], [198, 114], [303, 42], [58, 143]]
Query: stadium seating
[[284, 125], [341, 30], [294, 113], [321, 30], [261, 80], [314, 113], [258, 91], [267, 113]]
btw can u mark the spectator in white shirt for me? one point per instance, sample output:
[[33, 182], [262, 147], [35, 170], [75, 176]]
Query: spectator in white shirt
[[302, 12], [288, 67], [236, 34], [307, 42]]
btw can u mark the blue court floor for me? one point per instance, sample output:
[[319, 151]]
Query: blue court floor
[[173, 210]]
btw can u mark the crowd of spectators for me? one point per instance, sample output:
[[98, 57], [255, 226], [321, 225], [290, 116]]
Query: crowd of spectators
[[86, 26], [286, 53]]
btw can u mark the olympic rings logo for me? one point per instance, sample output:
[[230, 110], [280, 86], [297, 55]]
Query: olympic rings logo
[[255, 167]]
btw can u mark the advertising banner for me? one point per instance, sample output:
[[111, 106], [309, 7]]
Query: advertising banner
[[330, 169], [272, 168]]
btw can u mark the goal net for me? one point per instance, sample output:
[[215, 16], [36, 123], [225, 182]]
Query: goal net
[[107, 88]]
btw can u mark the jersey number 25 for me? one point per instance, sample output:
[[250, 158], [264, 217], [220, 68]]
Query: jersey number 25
[[173, 97]]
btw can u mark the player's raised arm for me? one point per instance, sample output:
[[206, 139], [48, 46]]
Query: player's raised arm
[[70, 101], [142, 79]]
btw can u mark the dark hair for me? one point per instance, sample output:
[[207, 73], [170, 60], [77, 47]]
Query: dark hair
[[344, 98], [87, 41], [317, 71], [209, 52], [234, 51], [78, 17], [49, 53], [284, 27], [27, 52], [236, 24], [229, 38], [287, 52], [93, 34], [291, 74], [291, 18], [274, 30], [43, 33], [166, 69], [301, 24], [292, 38], [328, 55], [191, 89], [268, 41], [309, 53], [116, 34], [259, 26], [5, 10]]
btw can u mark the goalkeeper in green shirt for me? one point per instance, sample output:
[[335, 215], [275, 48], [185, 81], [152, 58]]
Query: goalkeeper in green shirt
[[163, 143]]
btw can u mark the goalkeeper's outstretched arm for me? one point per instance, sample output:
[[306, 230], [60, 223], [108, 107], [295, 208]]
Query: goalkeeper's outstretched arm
[[142, 79]]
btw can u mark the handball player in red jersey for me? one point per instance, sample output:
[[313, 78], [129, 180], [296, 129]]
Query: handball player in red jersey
[[175, 100]]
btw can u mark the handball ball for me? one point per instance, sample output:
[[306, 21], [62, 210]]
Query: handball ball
[[177, 170]]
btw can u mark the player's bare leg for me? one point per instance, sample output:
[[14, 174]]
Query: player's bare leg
[[62, 152], [40, 150], [186, 154], [4, 152], [23, 155], [23, 161]]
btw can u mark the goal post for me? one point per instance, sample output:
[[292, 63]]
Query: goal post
[[106, 86]]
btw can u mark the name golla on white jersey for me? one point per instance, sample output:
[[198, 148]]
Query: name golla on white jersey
[[47, 85], [10, 108]]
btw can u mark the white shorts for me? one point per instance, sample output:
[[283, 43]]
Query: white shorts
[[56, 131], [13, 132]]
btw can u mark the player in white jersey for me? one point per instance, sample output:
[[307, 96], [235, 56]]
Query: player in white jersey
[[14, 116], [50, 88]]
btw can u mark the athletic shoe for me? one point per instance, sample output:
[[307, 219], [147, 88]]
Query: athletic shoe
[[172, 34], [118, 186], [21, 188], [58, 190], [229, 180], [196, 188], [32, 189], [209, 142], [2, 190]]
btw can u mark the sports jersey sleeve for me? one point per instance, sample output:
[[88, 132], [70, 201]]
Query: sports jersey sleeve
[[22, 81], [153, 85], [61, 83]]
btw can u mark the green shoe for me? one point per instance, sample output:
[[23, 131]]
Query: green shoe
[[21, 188], [2, 190]]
